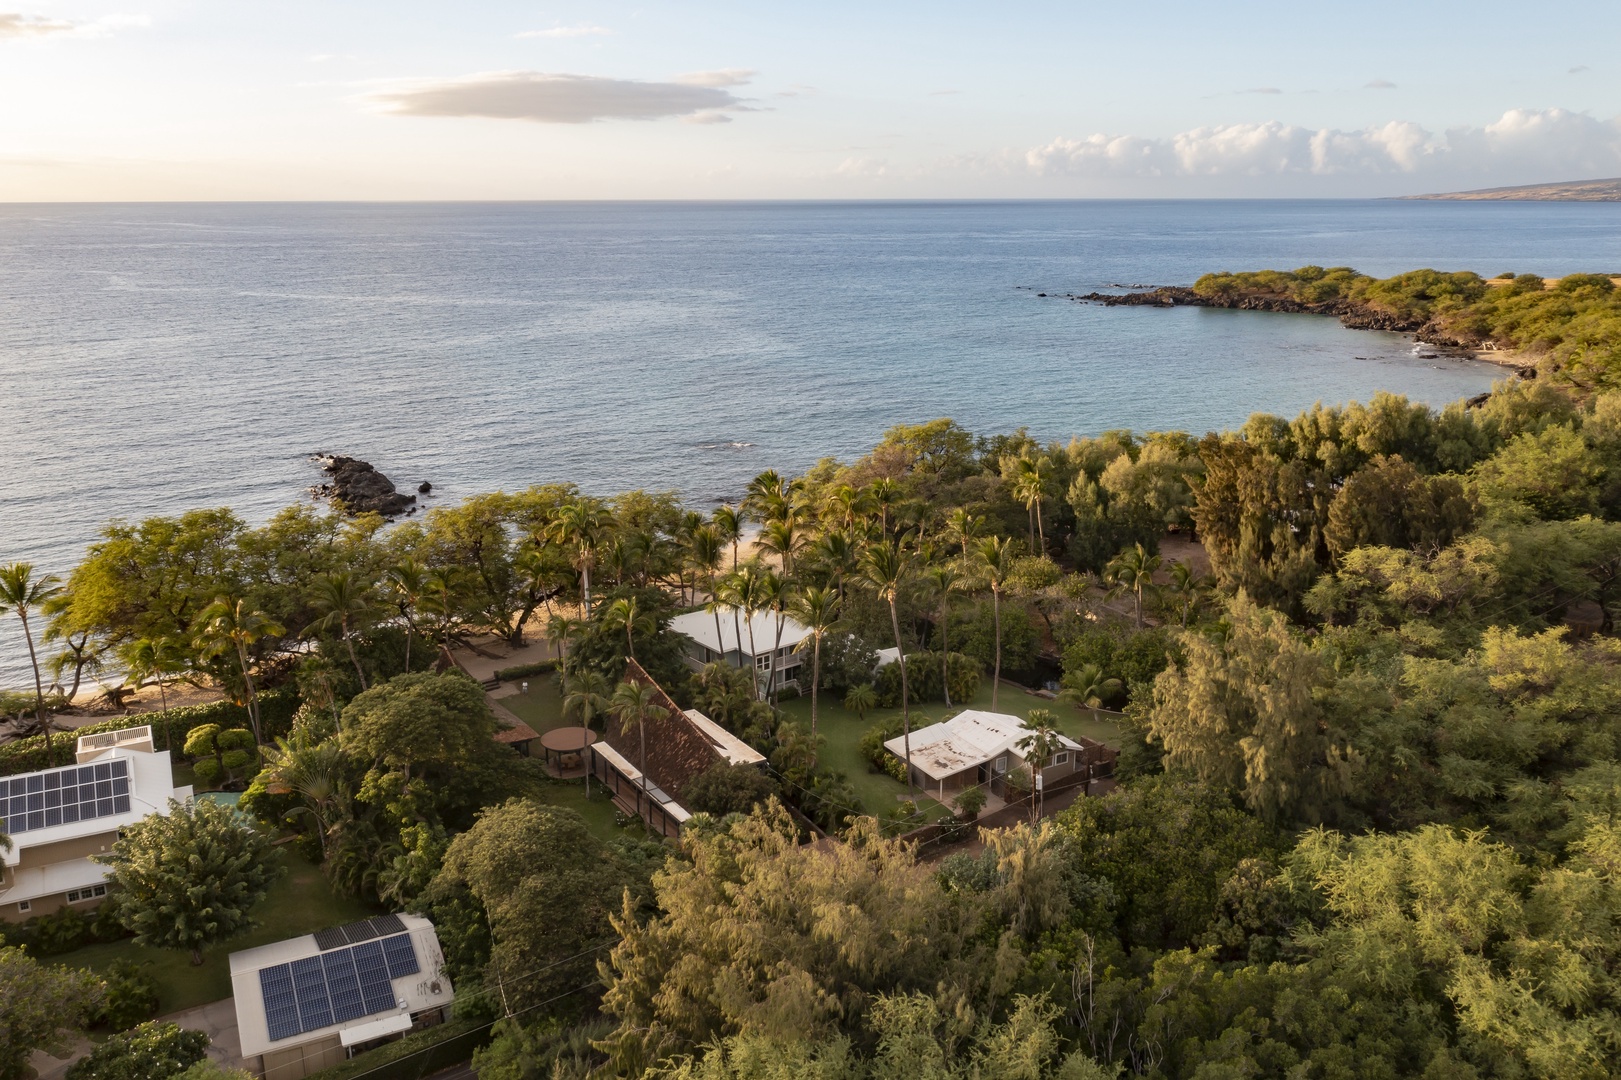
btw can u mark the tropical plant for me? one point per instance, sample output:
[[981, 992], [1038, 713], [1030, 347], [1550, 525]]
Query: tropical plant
[[943, 580], [150, 1050], [232, 626], [860, 699], [1038, 747], [634, 704], [581, 526], [40, 1007], [20, 593], [344, 602], [1132, 571], [313, 771], [624, 613], [817, 609], [887, 567], [1086, 687], [407, 582], [996, 562], [156, 661]]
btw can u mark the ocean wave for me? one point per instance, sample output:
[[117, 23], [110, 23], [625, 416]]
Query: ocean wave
[[723, 446]]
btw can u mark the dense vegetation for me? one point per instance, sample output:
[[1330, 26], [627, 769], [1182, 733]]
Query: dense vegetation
[[1571, 329], [1367, 819]]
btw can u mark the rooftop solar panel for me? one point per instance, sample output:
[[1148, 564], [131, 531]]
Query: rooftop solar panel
[[388, 924], [401, 956], [64, 796], [375, 988], [331, 938], [337, 986], [281, 1003]]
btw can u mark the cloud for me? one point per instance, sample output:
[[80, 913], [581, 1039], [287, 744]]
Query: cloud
[[1379, 84], [1262, 90], [14, 24], [723, 77], [1550, 143], [553, 99], [1578, 69], [581, 30]]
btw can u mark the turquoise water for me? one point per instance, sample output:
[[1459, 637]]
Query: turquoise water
[[160, 357]]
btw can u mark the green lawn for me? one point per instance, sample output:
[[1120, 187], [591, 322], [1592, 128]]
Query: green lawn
[[542, 707], [878, 791], [300, 902], [598, 812]]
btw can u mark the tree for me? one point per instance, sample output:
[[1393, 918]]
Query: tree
[[156, 1048], [345, 602], [625, 614], [996, 561], [417, 720], [887, 567], [312, 770], [156, 661], [724, 788], [1038, 749], [1029, 485], [561, 631], [1132, 571], [817, 609], [39, 1007], [232, 626], [21, 592], [1190, 589], [188, 878], [407, 583], [634, 704], [546, 887], [1086, 687], [728, 526], [581, 525], [943, 581], [859, 699], [704, 548], [219, 753]]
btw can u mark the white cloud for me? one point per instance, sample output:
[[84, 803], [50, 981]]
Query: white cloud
[[15, 25], [553, 99], [1547, 143], [862, 168], [1379, 84], [581, 30], [723, 77]]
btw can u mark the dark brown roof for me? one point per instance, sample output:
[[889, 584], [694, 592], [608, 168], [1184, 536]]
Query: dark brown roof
[[676, 750]]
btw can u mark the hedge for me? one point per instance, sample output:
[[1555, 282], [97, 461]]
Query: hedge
[[522, 671], [276, 709], [421, 1053]]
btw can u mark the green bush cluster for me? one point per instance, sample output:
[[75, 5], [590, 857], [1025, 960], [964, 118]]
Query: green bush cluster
[[143, 1053], [924, 679], [132, 996], [872, 748], [64, 930], [221, 756]]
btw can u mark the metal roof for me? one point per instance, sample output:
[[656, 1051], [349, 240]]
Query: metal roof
[[968, 739]]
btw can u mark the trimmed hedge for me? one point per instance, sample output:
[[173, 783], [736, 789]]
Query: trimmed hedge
[[421, 1053], [276, 709], [522, 671]]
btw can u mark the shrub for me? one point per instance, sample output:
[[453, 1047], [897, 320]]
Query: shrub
[[59, 932], [222, 755], [132, 996], [524, 671], [872, 748], [142, 1053], [969, 803], [724, 789], [923, 679]]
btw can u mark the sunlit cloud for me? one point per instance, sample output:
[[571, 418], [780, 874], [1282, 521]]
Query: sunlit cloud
[[1556, 143], [723, 77], [556, 99], [14, 24], [565, 32]]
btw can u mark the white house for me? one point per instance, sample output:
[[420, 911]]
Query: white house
[[58, 818], [308, 1003], [744, 642], [977, 747]]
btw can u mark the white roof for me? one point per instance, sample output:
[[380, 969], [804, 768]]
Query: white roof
[[886, 657], [151, 786], [968, 739], [634, 775], [700, 626], [731, 748], [427, 989]]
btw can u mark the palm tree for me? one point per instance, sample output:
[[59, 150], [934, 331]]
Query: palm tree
[[1132, 571], [703, 556], [743, 592], [962, 529], [313, 771], [887, 567], [884, 492], [345, 602], [860, 698], [774, 592], [1038, 749], [634, 704], [155, 659], [440, 596], [407, 581], [1087, 686], [817, 609], [1190, 587], [767, 497], [848, 504], [835, 555], [581, 525], [942, 581], [231, 626], [783, 539], [996, 559], [21, 592], [729, 527], [586, 698], [1029, 484], [624, 613], [560, 630]]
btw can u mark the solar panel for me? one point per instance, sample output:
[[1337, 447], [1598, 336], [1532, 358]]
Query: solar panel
[[64, 796], [337, 986], [331, 938], [388, 924]]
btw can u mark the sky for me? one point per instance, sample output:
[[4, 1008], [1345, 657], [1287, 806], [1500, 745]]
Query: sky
[[344, 99]]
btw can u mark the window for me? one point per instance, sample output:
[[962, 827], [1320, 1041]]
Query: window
[[762, 663], [1061, 759], [1001, 765], [24, 905], [87, 894]]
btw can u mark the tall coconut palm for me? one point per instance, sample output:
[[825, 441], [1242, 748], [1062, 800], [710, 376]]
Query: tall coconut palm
[[634, 704], [233, 626], [742, 590], [783, 539], [346, 603], [581, 526], [774, 596], [1038, 747], [887, 567], [626, 614], [1132, 571], [817, 609], [21, 593], [1189, 587], [560, 631], [836, 555], [728, 525], [407, 581], [848, 504], [996, 562], [156, 660], [703, 557], [586, 698], [942, 581], [884, 492], [962, 529], [1029, 486], [768, 497]]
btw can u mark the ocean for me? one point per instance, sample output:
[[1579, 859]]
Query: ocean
[[160, 357]]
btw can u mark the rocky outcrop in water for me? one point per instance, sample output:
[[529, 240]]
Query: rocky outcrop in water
[[361, 489]]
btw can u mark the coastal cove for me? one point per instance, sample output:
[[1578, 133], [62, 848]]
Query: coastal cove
[[201, 353]]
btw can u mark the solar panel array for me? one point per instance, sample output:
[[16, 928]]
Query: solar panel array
[[356, 932], [335, 987], [64, 796]]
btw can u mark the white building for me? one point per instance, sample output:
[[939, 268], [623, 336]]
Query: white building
[[58, 818], [745, 642], [977, 747], [308, 1003]]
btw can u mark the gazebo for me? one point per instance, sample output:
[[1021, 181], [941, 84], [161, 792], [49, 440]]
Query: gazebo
[[560, 743]]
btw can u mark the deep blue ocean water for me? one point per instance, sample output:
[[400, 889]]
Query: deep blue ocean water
[[159, 357]]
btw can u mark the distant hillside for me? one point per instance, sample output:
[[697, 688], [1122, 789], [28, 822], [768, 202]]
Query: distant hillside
[[1569, 191]]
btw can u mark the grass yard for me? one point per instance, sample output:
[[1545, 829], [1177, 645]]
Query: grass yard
[[300, 902], [542, 707], [598, 812], [878, 791]]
